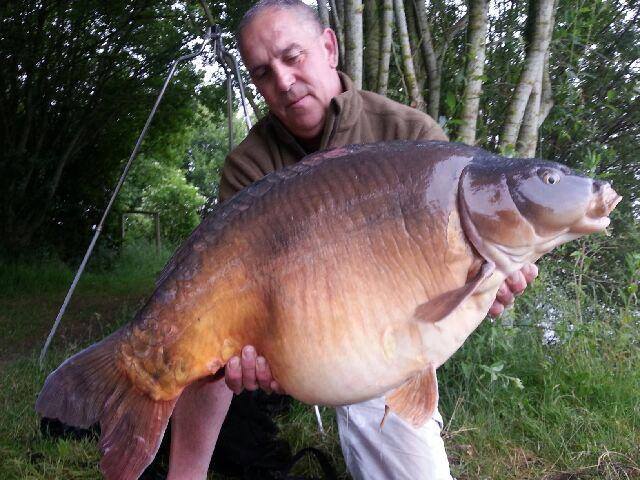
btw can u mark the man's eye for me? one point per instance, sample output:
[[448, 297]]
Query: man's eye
[[293, 58], [259, 73]]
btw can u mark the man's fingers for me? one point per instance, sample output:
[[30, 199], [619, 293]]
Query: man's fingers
[[251, 372], [516, 282], [275, 386], [233, 375], [505, 295], [496, 309], [530, 272], [263, 374], [249, 368]]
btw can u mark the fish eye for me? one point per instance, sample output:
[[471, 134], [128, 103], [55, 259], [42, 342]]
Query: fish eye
[[550, 177]]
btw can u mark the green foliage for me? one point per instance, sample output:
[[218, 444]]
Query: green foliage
[[154, 187], [176, 182], [178, 203], [78, 80], [129, 269], [595, 76], [209, 147]]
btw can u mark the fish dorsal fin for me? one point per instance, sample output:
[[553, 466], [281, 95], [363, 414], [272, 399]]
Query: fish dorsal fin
[[416, 399], [441, 306]]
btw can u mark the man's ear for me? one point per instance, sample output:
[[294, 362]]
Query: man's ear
[[330, 44]]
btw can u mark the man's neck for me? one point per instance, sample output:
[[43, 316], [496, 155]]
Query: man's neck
[[311, 145]]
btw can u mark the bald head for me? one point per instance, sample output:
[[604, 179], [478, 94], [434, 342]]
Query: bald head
[[301, 10]]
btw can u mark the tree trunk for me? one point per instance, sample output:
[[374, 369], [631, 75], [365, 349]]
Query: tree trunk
[[414, 93], [323, 12], [371, 44], [537, 109], [477, 35], [336, 22], [248, 93], [415, 39], [385, 46], [531, 73], [434, 57], [353, 48], [528, 135], [398, 64], [546, 103]]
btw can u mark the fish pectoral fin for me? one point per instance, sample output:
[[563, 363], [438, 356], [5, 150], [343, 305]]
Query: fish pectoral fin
[[416, 399], [441, 306]]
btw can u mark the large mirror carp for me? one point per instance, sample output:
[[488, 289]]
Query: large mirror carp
[[355, 272]]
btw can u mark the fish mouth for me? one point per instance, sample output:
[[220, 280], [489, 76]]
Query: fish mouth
[[596, 218]]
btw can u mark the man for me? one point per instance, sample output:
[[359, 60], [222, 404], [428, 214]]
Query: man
[[293, 62]]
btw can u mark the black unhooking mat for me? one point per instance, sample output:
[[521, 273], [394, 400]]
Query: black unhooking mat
[[247, 448]]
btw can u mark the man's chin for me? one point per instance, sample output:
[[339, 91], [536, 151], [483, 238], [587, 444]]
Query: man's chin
[[304, 128]]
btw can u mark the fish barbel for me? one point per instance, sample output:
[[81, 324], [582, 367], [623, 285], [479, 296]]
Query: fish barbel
[[356, 272]]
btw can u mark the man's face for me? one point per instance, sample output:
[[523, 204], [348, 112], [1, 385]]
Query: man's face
[[294, 68]]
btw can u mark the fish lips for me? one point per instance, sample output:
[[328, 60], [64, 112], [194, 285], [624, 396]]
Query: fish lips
[[596, 217]]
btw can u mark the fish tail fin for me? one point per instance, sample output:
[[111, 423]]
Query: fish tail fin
[[89, 388]]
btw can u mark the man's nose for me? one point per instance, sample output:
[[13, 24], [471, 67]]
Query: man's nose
[[284, 78]]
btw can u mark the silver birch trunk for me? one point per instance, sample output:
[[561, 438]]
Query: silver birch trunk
[[323, 12], [398, 63], [386, 33], [414, 43], [477, 39], [371, 44], [528, 136], [336, 22], [531, 72], [415, 95], [537, 108], [353, 36], [434, 57], [546, 102]]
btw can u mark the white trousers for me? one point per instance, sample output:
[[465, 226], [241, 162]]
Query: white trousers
[[398, 451]]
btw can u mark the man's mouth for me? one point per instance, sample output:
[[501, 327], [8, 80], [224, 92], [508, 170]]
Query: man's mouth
[[296, 102]]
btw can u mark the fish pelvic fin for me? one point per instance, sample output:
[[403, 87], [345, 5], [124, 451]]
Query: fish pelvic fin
[[416, 399], [91, 388], [441, 306]]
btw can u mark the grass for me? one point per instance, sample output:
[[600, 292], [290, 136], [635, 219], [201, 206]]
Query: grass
[[515, 406], [578, 412], [27, 454], [300, 428], [30, 299], [526, 408]]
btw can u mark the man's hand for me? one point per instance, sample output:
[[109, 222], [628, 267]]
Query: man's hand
[[251, 372], [513, 286]]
